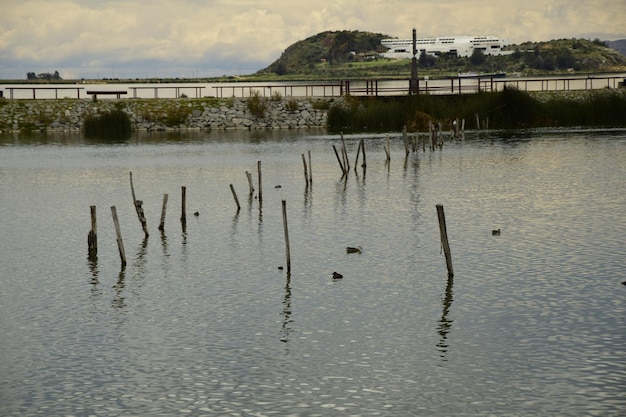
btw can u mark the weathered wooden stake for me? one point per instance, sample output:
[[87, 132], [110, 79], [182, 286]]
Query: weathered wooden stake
[[405, 139], [387, 150], [183, 215], [444, 238], [232, 189], [138, 203], [249, 176], [310, 169], [287, 251], [118, 232], [477, 122], [344, 153], [364, 164], [260, 187], [439, 136], [162, 224], [92, 236], [343, 170], [306, 172]]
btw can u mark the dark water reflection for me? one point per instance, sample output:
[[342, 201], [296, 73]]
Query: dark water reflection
[[202, 321]]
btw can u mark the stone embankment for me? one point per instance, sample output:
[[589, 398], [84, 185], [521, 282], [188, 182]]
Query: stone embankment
[[167, 114]]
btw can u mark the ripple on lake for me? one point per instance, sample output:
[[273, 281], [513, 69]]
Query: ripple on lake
[[202, 321]]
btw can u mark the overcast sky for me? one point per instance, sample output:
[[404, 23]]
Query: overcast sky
[[202, 38]]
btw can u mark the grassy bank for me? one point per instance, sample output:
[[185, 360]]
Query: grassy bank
[[509, 109]]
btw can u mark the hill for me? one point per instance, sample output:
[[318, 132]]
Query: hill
[[619, 45], [356, 55]]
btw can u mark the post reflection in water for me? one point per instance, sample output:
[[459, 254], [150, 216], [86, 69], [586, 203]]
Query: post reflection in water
[[445, 324], [118, 299], [286, 330], [164, 243]]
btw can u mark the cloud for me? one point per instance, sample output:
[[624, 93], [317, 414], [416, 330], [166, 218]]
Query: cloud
[[136, 38]]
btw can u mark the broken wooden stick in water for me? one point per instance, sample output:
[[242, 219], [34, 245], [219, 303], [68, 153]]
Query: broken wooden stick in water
[[343, 170], [183, 215], [249, 176], [260, 187], [138, 208], [118, 232], [92, 236], [286, 229], [444, 238], [162, 224], [232, 189], [306, 171]]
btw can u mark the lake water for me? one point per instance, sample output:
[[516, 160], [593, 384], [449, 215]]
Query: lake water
[[202, 321]]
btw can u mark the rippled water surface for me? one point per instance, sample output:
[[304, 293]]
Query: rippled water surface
[[202, 321]]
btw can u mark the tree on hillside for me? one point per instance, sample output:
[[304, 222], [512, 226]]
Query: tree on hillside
[[426, 60], [478, 57]]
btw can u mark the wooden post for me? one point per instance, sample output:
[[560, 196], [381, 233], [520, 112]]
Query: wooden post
[[306, 172], [387, 150], [477, 122], [343, 170], [406, 140], [183, 216], [287, 251], [138, 203], [439, 136], [260, 187], [358, 151], [249, 176], [344, 153], [120, 243], [162, 224], [92, 236], [310, 169], [444, 238], [232, 189], [364, 164]]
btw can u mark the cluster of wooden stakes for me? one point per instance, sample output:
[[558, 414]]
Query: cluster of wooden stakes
[[434, 138]]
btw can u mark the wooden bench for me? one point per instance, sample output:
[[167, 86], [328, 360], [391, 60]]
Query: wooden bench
[[96, 93]]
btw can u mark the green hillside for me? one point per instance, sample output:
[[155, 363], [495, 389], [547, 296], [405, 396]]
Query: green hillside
[[356, 55]]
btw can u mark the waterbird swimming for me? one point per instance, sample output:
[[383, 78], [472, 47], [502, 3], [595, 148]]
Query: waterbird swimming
[[495, 232], [352, 249], [337, 275]]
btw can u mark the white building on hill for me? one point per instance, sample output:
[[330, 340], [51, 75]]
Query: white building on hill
[[460, 45]]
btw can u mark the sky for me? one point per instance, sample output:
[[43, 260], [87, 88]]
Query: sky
[[97, 39]]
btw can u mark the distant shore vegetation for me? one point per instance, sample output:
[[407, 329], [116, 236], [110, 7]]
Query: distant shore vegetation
[[507, 109]]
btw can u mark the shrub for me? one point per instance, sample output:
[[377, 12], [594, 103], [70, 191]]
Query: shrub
[[291, 105], [276, 96], [257, 105]]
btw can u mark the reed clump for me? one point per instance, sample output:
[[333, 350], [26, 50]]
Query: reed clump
[[507, 109], [114, 124]]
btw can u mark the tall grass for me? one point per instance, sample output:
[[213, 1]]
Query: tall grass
[[508, 109], [114, 124]]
